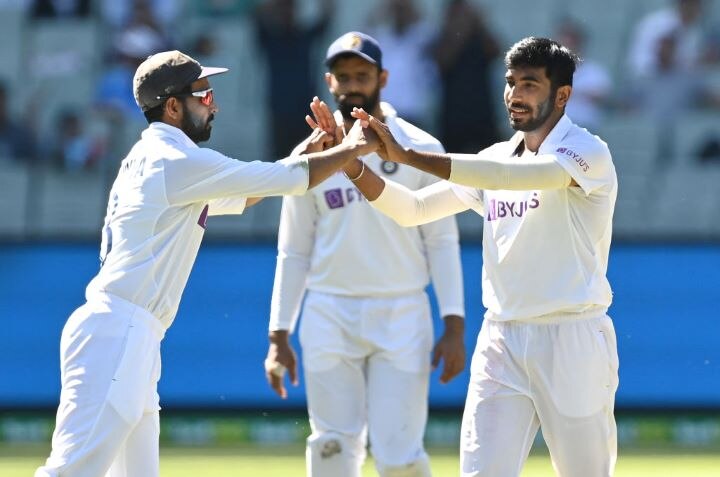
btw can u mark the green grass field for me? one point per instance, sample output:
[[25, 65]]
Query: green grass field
[[288, 462]]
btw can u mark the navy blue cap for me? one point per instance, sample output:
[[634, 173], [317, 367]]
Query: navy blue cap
[[355, 43]]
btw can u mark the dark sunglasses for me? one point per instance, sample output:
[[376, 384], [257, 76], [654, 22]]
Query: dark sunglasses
[[206, 95]]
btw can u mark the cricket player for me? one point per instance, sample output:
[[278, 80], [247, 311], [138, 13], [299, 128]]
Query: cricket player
[[366, 329], [167, 186], [546, 355]]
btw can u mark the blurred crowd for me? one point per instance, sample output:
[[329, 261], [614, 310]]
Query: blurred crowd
[[445, 71]]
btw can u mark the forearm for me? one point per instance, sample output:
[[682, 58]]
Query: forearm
[[433, 163], [370, 184], [288, 291], [446, 270], [484, 172], [409, 208], [322, 165]]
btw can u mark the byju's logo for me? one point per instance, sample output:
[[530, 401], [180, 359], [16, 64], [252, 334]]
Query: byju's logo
[[575, 157], [499, 209], [337, 198]]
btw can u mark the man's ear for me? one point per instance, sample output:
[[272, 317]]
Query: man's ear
[[562, 96], [383, 78], [173, 109], [328, 81]]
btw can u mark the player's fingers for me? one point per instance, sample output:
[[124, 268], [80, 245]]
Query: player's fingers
[[292, 373], [323, 116], [362, 115], [447, 372], [310, 122], [339, 134], [373, 123], [327, 116], [379, 128], [445, 377], [276, 383], [452, 368], [327, 139], [315, 108], [279, 387], [437, 354]]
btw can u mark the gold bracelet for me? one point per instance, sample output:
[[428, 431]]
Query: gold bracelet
[[362, 171]]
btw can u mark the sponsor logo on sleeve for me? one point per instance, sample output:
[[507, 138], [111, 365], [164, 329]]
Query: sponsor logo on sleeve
[[575, 157]]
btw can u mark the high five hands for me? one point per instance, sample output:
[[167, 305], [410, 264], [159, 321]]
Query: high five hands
[[389, 148], [323, 120]]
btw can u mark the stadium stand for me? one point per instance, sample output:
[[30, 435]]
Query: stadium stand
[[57, 62], [62, 64], [12, 26], [14, 190], [692, 133], [67, 205]]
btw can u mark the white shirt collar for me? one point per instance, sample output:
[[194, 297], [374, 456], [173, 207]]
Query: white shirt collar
[[166, 132], [554, 137], [557, 134]]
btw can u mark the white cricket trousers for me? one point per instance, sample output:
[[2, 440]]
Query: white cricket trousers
[[366, 363], [108, 419], [559, 374]]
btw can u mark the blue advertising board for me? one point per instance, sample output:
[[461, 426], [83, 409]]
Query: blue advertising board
[[666, 312]]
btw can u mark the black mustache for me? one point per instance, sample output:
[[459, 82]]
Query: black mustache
[[354, 95]]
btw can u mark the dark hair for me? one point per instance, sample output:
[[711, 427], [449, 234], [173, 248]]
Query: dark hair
[[559, 61], [154, 115]]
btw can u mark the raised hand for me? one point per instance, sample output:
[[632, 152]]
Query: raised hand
[[363, 139], [317, 141], [389, 149], [324, 120]]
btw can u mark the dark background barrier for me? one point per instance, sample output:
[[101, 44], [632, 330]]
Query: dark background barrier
[[666, 314]]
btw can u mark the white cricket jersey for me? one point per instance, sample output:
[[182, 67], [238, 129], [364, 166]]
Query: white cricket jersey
[[158, 207], [546, 251], [331, 240]]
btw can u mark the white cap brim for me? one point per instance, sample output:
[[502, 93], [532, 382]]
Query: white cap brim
[[210, 71]]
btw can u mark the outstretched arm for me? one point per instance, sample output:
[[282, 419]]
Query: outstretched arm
[[480, 171], [433, 163], [358, 142], [404, 206]]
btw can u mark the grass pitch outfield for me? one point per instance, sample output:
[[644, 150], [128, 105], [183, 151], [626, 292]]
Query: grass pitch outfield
[[21, 461]]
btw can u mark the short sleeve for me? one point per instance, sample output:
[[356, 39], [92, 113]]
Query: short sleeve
[[589, 164]]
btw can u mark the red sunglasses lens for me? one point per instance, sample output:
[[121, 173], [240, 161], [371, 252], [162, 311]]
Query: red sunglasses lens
[[207, 99]]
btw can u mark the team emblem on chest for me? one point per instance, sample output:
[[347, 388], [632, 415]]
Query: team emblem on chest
[[389, 167]]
